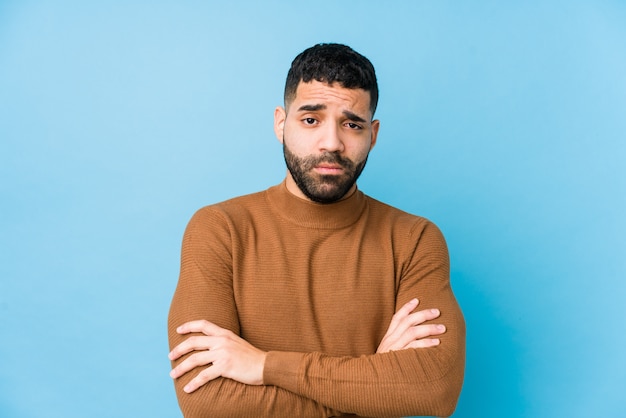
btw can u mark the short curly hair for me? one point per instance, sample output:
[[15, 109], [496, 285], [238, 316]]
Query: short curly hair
[[332, 63]]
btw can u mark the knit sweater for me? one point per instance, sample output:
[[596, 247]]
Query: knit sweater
[[316, 286]]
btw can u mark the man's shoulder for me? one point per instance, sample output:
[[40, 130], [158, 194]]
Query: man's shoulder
[[382, 208], [235, 206], [397, 217], [241, 201]]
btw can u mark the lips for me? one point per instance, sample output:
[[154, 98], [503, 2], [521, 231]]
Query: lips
[[329, 163], [329, 168]]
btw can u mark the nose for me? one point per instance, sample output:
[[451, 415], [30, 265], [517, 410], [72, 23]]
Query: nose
[[330, 139]]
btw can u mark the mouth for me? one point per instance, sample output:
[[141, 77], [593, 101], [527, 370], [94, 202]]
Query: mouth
[[326, 168]]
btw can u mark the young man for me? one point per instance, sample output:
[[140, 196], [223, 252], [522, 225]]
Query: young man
[[301, 300]]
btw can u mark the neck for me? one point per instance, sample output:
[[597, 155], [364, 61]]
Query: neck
[[316, 215]]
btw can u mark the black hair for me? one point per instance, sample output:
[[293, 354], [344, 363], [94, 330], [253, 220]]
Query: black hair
[[330, 63]]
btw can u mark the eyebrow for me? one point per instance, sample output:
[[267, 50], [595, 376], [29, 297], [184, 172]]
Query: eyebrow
[[315, 107], [354, 116], [311, 108]]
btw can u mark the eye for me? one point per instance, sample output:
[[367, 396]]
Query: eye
[[353, 125], [309, 121]]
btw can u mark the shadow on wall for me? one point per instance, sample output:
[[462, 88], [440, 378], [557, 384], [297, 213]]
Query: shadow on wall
[[493, 367]]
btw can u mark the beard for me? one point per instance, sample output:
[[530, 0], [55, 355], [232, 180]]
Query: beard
[[318, 187]]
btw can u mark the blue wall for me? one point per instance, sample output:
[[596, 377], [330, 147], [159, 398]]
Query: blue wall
[[503, 122]]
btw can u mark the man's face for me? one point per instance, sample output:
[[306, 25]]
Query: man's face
[[327, 133]]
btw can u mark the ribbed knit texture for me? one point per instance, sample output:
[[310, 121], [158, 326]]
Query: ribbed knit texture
[[316, 286]]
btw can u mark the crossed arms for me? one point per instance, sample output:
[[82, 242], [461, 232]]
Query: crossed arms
[[416, 369], [217, 352], [222, 353]]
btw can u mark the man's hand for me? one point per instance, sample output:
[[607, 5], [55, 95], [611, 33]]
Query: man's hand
[[405, 329], [222, 351]]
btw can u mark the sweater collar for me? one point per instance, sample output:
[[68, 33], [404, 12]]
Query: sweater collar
[[315, 215]]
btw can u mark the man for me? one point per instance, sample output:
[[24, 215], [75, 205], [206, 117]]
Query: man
[[300, 301]]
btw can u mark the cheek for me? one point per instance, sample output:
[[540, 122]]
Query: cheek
[[296, 143], [359, 151]]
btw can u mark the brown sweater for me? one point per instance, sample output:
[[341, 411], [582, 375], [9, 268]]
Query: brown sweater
[[316, 286]]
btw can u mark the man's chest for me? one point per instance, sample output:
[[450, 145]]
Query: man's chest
[[317, 291]]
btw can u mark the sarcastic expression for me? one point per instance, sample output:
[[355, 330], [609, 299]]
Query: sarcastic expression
[[327, 132], [309, 175]]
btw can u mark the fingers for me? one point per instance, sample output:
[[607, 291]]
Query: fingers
[[202, 358], [424, 343], [202, 355], [405, 320], [404, 317], [422, 316], [407, 329], [203, 326], [402, 313], [216, 352], [203, 377], [417, 336], [424, 331], [190, 344]]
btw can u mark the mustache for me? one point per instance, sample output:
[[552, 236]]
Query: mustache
[[328, 157]]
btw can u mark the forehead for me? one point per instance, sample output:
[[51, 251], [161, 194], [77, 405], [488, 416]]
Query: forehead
[[318, 93]]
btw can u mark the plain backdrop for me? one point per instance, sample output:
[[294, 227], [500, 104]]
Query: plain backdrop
[[504, 122]]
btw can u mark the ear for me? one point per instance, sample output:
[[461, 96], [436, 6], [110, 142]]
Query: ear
[[279, 122], [375, 128]]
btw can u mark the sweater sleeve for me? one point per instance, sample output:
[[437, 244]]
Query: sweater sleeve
[[423, 381], [204, 291]]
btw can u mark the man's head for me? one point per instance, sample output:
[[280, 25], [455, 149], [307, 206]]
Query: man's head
[[332, 63], [327, 127]]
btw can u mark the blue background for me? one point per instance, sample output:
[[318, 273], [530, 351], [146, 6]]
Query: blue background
[[503, 122]]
